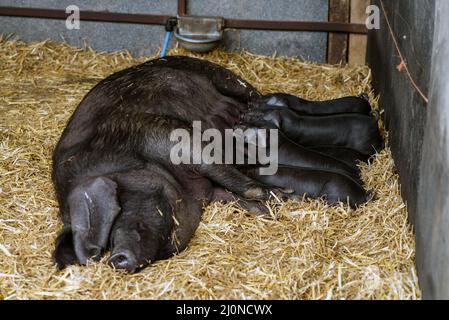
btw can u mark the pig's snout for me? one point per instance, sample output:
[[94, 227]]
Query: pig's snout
[[123, 260]]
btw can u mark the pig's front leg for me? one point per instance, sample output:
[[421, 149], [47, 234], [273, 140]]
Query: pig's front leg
[[236, 182], [157, 144]]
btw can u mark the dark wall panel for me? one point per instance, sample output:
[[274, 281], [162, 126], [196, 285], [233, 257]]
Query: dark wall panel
[[432, 221], [405, 110], [419, 132]]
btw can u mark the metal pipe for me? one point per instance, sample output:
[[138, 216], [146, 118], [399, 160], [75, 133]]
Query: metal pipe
[[85, 15], [135, 18], [322, 26], [182, 7]]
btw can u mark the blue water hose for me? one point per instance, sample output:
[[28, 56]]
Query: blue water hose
[[166, 42], [170, 25]]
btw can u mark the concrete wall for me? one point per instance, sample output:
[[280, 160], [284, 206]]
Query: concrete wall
[[308, 45], [145, 40]]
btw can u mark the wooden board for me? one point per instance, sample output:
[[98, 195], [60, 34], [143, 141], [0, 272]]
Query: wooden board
[[337, 50], [358, 42]]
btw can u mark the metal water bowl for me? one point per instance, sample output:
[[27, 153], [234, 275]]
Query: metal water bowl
[[199, 34]]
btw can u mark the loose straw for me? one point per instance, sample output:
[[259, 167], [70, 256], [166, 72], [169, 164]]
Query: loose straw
[[303, 250]]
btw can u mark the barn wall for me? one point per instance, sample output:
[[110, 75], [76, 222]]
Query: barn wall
[[432, 220], [419, 133], [145, 40], [405, 110]]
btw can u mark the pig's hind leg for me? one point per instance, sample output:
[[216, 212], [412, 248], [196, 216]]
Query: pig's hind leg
[[225, 81], [93, 207]]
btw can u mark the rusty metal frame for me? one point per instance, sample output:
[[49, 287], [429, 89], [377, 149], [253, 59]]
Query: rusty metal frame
[[134, 18]]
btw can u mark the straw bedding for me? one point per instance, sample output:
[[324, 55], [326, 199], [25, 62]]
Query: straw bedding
[[305, 250]]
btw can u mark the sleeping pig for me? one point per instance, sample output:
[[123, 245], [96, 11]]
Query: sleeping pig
[[117, 186]]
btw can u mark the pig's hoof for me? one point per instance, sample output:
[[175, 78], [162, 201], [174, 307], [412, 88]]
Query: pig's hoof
[[123, 260], [281, 194], [260, 193], [256, 193], [254, 207]]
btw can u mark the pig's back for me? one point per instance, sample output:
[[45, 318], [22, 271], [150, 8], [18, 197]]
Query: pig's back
[[185, 88]]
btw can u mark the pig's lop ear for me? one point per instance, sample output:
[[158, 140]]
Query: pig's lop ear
[[64, 253]]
